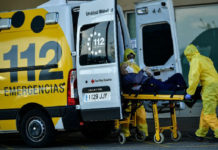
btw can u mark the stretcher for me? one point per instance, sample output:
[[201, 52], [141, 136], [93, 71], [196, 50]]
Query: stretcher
[[172, 97]]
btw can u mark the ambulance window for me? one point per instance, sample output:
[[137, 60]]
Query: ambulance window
[[157, 44], [97, 44]]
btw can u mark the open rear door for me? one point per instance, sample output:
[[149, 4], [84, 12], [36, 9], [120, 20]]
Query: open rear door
[[156, 37], [98, 62]]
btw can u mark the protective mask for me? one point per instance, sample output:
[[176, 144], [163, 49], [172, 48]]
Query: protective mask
[[132, 60]]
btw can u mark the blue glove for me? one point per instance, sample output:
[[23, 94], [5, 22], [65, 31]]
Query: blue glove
[[187, 96]]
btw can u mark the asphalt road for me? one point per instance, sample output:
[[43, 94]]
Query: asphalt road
[[77, 141]]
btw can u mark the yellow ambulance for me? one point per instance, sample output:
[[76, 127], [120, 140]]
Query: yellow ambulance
[[37, 71]]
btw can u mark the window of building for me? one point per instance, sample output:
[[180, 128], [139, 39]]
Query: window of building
[[97, 44]]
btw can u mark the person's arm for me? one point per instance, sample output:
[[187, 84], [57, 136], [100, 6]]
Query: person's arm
[[194, 76], [123, 69], [148, 71]]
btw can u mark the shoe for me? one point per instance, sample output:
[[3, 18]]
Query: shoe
[[197, 138]]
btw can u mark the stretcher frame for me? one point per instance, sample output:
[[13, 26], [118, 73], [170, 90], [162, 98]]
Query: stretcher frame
[[131, 120], [158, 136]]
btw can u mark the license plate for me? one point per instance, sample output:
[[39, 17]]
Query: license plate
[[95, 97]]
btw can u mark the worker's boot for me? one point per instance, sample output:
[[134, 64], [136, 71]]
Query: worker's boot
[[199, 139]]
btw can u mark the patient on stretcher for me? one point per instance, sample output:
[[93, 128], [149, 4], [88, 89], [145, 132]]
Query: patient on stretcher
[[139, 80], [136, 80], [139, 83]]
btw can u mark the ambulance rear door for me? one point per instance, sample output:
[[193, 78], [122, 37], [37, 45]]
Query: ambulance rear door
[[156, 38], [98, 62]]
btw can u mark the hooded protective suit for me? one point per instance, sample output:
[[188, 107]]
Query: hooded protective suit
[[140, 112], [203, 71], [133, 65]]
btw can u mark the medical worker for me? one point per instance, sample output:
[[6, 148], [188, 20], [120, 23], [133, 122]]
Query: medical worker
[[129, 65], [203, 71]]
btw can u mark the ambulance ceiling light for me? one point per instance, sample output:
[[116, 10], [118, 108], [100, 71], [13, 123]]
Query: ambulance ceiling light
[[142, 11], [51, 18], [5, 23]]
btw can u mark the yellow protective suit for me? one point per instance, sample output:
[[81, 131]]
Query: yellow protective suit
[[203, 71], [140, 112], [134, 66]]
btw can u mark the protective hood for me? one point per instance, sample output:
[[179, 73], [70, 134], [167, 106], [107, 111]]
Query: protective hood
[[191, 51], [127, 52]]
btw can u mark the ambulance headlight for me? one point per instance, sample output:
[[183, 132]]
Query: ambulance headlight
[[142, 11], [51, 18], [5, 23]]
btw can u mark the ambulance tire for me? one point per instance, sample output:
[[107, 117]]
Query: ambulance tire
[[97, 130], [37, 129]]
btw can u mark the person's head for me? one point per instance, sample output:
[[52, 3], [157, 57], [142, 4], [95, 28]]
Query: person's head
[[190, 51], [129, 54]]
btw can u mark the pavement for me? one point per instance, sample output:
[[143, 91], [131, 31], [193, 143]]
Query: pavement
[[77, 141]]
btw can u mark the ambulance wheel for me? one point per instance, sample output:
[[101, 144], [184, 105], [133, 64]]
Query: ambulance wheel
[[161, 138], [37, 129], [179, 136], [140, 136], [121, 138]]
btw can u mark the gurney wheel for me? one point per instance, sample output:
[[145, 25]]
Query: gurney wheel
[[140, 136], [121, 138], [179, 136], [161, 138]]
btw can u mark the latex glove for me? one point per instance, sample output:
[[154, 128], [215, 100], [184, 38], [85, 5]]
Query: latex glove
[[187, 96], [148, 71]]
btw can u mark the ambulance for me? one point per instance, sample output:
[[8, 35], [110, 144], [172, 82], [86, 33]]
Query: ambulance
[[59, 63]]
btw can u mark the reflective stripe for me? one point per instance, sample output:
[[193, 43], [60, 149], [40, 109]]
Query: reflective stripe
[[59, 125], [8, 131]]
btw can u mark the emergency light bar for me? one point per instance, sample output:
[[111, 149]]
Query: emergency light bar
[[5, 23], [51, 18]]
